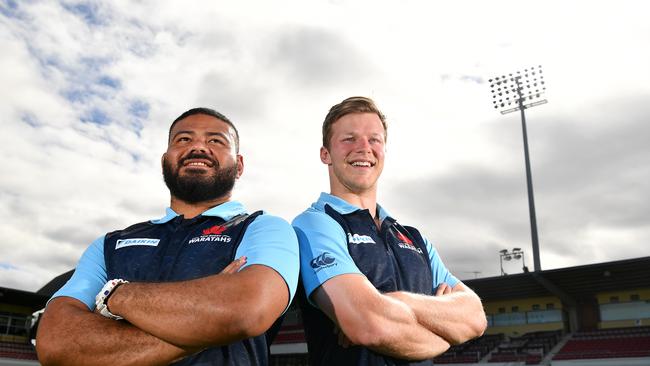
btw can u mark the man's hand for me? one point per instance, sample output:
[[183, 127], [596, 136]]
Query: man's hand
[[235, 266], [443, 289]]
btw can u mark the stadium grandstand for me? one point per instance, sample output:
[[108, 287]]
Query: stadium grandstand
[[16, 309], [597, 314]]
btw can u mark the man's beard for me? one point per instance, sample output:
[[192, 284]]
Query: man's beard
[[197, 187]]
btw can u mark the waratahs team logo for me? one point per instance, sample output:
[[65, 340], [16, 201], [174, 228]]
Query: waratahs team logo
[[216, 230], [406, 243], [211, 234], [324, 260]]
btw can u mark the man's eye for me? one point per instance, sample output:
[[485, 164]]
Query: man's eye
[[183, 139]]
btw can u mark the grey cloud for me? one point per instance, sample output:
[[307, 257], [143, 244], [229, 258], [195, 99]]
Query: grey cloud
[[601, 176], [313, 57], [234, 95], [583, 181], [76, 235]]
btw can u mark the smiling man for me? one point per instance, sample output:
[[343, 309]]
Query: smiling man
[[377, 292], [199, 286]]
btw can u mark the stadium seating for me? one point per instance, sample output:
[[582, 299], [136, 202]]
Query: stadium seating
[[607, 343], [20, 351], [290, 334], [470, 352], [529, 348]]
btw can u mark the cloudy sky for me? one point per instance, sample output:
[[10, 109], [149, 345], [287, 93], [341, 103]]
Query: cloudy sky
[[89, 89]]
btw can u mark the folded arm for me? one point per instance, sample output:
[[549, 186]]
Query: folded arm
[[69, 334], [373, 320], [457, 316], [218, 309]]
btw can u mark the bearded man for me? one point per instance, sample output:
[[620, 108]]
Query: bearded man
[[199, 286]]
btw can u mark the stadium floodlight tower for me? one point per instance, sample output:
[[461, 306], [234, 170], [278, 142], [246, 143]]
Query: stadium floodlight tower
[[518, 92], [516, 253]]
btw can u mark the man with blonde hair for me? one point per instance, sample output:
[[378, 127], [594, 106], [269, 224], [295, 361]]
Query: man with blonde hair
[[377, 292]]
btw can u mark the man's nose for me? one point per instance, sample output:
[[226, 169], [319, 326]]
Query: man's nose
[[199, 145], [363, 144]]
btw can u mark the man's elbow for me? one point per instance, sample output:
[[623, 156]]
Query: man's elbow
[[474, 327], [256, 323], [48, 350], [255, 317], [479, 319], [481, 324]]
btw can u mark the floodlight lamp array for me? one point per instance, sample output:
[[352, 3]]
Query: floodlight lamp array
[[515, 89]]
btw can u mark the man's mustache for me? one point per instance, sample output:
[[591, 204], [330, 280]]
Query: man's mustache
[[199, 156]]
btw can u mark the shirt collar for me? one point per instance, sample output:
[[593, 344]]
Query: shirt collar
[[342, 206], [226, 211]]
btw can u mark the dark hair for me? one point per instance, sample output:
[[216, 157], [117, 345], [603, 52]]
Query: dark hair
[[347, 106], [209, 112]]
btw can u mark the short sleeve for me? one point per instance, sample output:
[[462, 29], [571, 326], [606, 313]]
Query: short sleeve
[[440, 273], [89, 277], [270, 241], [323, 249]]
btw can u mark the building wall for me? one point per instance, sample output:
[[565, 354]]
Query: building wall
[[523, 309], [526, 304], [632, 308], [16, 309]]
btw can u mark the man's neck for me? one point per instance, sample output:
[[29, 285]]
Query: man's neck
[[191, 210], [366, 200]]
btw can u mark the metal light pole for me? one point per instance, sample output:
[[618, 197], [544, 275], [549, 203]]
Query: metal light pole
[[509, 93], [502, 254]]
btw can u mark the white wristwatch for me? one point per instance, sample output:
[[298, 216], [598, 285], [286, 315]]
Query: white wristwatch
[[101, 300]]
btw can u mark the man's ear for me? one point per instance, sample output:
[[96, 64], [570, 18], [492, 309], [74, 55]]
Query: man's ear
[[240, 165], [325, 156], [162, 160]]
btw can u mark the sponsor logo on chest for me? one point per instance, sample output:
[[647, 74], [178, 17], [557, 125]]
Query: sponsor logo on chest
[[360, 239], [149, 242], [212, 234]]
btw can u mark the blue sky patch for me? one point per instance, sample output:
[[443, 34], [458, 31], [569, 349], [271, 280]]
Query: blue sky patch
[[96, 116], [7, 266], [87, 12], [139, 109], [31, 120], [9, 8], [76, 95], [110, 82]]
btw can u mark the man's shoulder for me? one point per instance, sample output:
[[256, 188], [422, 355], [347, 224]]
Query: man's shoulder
[[267, 219], [310, 216], [132, 229]]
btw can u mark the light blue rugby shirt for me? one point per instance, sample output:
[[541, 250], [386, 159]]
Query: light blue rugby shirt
[[268, 240], [318, 233]]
